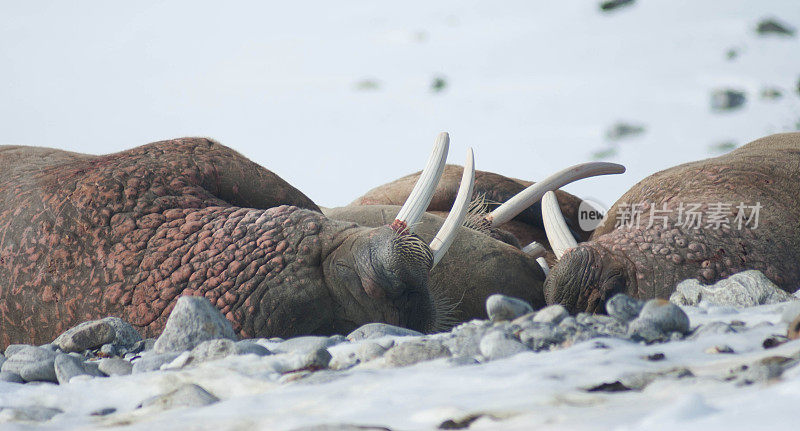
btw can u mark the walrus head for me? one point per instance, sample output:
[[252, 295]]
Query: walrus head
[[381, 274]]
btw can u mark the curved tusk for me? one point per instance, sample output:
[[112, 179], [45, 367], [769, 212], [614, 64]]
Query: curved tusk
[[555, 227], [543, 264], [534, 249], [534, 192], [441, 242], [422, 193]]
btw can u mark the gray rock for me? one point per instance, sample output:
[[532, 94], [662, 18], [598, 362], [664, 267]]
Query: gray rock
[[369, 350], [744, 289], [412, 352], [501, 307], [246, 347], [192, 321], [39, 371], [727, 99], [153, 361], [623, 307], [67, 367], [498, 345], [187, 395], [771, 26], [646, 330], [211, 350], [541, 336], [109, 349], [466, 340], [375, 330], [305, 344], [309, 361], [142, 346], [125, 335], [14, 348], [115, 367], [24, 356], [28, 413], [667, 317], [87, 335], [551, 314], [7, 376], [2, 359]]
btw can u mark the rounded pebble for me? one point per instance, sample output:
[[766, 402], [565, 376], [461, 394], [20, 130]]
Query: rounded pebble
[[192, 321], [501, 307]]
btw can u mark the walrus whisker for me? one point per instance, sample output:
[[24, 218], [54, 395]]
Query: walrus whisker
[[533, 193], [558, 234], [423, 190], [441, 242]]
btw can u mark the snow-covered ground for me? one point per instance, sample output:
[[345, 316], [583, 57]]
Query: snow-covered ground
[[690, 388], [337, 97]]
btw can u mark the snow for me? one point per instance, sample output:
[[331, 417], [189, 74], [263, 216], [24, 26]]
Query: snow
[[532, 86], [545, 390]]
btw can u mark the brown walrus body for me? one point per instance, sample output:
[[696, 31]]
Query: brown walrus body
[[759, 179], [125, 234]]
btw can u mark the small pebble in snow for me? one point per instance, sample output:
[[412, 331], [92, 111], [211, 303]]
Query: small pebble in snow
[[153, 361], [412, 352], [501, 307], [498, 345], [667, 317], [623, 307], [103, 412], [7, 376], [40, 371], [369, 350], [67, 367], [722, 348], [115, 367], [192, 321], [246, 347], [553, 314], [658, 356], [306, 344], [188, 395], [774, 341], [375, 330], [793, 330]]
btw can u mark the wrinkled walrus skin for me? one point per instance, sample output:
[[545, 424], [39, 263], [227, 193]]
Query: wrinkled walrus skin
[[83, 237], [648, 262]]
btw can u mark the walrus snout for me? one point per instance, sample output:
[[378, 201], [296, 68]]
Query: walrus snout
[[584, 279]]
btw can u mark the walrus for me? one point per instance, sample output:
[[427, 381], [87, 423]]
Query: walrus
[[83, 237], [486, 258], [747, 203]]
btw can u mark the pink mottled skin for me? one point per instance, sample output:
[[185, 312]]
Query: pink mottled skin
[[83, 237], [648, 261]]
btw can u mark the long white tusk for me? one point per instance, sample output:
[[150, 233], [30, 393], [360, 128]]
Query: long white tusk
[[555, 227], [534, 249], [534, 192], [421, 195], [441, 242], [543, 264]]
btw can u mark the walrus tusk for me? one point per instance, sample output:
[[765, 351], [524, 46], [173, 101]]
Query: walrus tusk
[[534, 192], [441, 242], [543, 264], [534, 249], [555, 227], [422, 193]]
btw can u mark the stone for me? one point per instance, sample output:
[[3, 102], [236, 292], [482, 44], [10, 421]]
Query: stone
[[727, 99], [370, 350], [67, 367], [771, 26], [192, 321], [793, 329], [153, 361], [612, 5], [2, 359], [187, 395], [501, 307], [213, 349], [376, 330], [542, 336], [552, 314], [646, 330], [624, 308], [28, 413], [142, 346], [7, 376], [722, 348], [39, 371], [87, 335], [315, 360], [465, 339], [115, 367], [305, 344], [25, 355], [14, 348], [248, 347], [498, 345], [667, 316], [107, 350], [125, 335], [743, 289], [412, 352]]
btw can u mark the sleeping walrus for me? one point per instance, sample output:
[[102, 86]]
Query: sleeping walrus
[[705, 220]]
